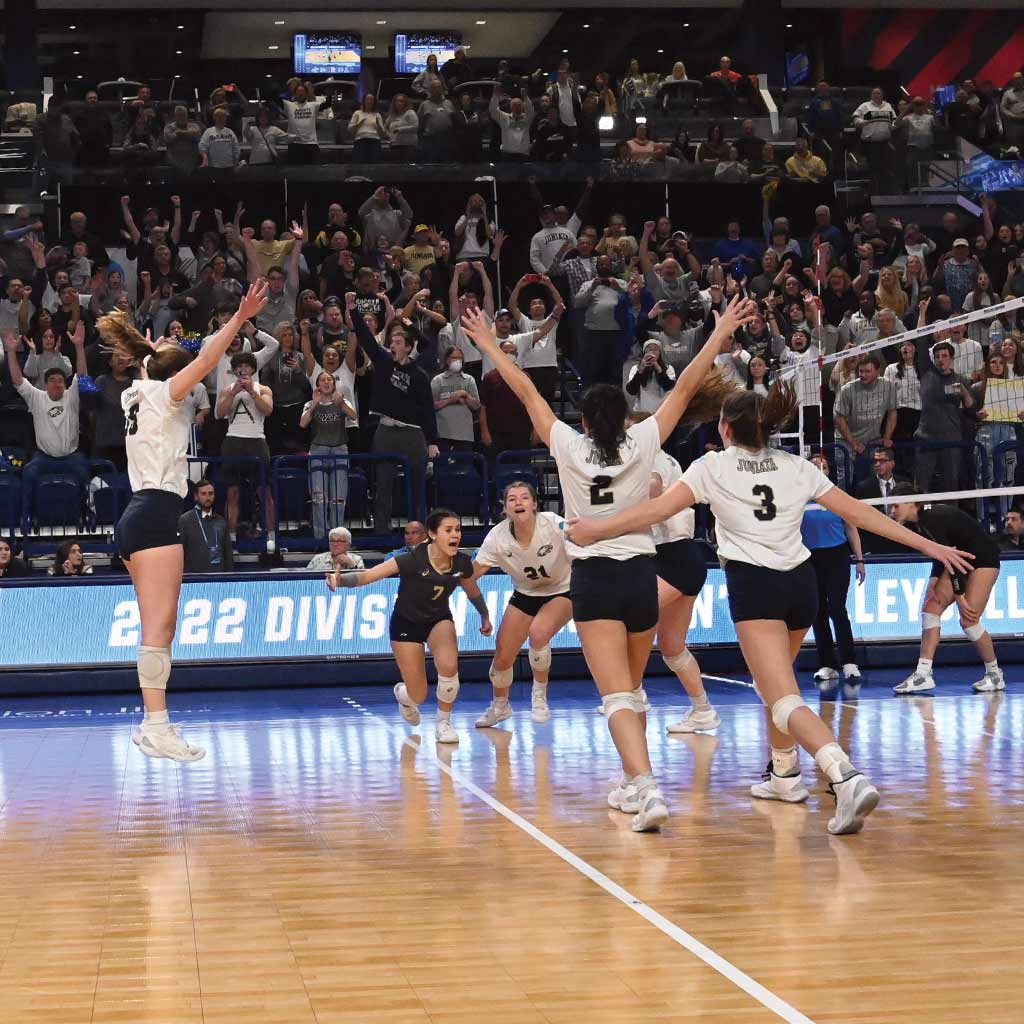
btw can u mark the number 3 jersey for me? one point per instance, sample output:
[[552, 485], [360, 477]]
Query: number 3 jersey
[[423, 592], [156, 438], [758, 499], [592, 487], [541, 569]]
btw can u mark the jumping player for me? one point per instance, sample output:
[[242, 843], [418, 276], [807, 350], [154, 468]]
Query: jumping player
[[758, 496], [614, 586], [948, 525], [158, 423], [530, 547], [423, 617]]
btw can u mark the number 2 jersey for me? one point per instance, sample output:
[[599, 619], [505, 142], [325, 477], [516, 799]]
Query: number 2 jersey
[[592, 487], [423, 592], [157, 431], [758, 499], [541, 569]]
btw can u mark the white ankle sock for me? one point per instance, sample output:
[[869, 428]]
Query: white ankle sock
[[833, 762], [156, 718], [924, 666], [701, 703], [444, 716], [644, 782], [501, 703], [785, 762], [992, 667]]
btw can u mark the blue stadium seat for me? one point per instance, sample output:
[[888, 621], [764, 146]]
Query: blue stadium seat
[[459, 486], [358, 504], [10, 501], [58, 501], [292, 494], [111, 501]]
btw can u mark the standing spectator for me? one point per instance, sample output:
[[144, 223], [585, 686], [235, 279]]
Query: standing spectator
[[402, 126], [11, 567], [219, 146], [285, 374], [57, 141], [435, 126], [865, 415], [108, 435], [54, 410], [566, 100], [968, 358], [47, 358], [69, 560], [729, 84], [327, 414], [340, 556], [903, 375], [999, 405], [265, 139], [283, 285], [457, 71], [919, 121], [366, 127], [456, 398], [824, 120], [957, 273], [96, 132], [303, 147], [651, 379], [380, 217], [874, 119], [504, 422], [474, 231], [540, 357], [632, 89], [422, 82], [598, 358], [205, 535], [514, 126], [181, 140], [1011, 107], [468, 128]]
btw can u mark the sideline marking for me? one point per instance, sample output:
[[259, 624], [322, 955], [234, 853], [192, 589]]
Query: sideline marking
[[728, 970]]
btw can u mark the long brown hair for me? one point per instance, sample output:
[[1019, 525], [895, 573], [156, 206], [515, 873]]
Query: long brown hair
[[707, 403], [753, 418], [120, 334]]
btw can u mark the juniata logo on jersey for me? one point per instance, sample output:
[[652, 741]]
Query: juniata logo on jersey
[[546, 550], [749, 466], [594, 458]]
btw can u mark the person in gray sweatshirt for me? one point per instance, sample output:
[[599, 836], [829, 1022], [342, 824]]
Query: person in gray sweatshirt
[[381, 218], [598, 357]]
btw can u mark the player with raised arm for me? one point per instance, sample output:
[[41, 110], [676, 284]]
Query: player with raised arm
[[530, 547], [158, 423], [422, 616], [758, 496], [614, 586]]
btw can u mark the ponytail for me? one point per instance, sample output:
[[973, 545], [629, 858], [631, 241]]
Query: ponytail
[[604, 408], [753, 418], [161, 362]]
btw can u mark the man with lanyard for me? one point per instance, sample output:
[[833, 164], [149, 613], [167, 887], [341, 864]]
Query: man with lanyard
[[204, 535]]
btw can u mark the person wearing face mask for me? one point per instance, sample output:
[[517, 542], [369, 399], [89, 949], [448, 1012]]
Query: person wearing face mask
[[456, 398]]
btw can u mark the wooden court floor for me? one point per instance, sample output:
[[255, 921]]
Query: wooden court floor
[[318, 868]]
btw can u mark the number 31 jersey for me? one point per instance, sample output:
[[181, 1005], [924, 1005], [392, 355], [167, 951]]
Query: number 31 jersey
[[593, 487], [758, 499], [541, 569]]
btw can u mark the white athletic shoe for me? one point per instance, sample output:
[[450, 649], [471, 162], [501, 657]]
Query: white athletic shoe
[[493, 715], [167, 743], [539, 710], [790, 789], [697, 721], [444, 732], [624, 797], [850, 671], [823, 675], [410, 712], [916, 682], [856, 798], [990, 682], [653, 812]]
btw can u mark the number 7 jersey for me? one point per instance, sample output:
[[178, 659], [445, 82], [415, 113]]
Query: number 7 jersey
[[592, 487], [758, 499]]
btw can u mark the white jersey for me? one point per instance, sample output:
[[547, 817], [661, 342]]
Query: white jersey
[[680, 526], [245, 419], [592, 488], [541, 569], [157, 431], [758, 499]]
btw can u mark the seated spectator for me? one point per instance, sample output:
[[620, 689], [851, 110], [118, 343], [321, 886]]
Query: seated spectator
[[181, 141], [803, 165], [266, 140], [366, 127], [456, 398], [219, 146], [504, 422], [414, 534], [749, 145], [341, 557], [642, 148], [327, 415], [1013, 531], [730, 170], [69, 561], [883, 478], [204, 534], [54, 410], [714, 149], [729, 84], [11, 566], [651, 379]]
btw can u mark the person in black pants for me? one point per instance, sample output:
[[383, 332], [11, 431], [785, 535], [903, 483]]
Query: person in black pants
[[830, 541], [405, 404]]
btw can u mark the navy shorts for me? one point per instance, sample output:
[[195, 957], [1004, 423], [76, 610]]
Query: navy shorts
[[407, 631], [528, 604], [624, 591], [790, 596], [149, 521], [681, 564]]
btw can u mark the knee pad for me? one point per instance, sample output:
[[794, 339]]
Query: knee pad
[[612, 702], [447, 688], [540, 658], [640, 701], [500, 678], [930, 621], [783, 708], [677, 662], [975, 632], [154, 666]]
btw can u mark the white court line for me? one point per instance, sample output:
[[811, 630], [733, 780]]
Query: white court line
[[728, 970]]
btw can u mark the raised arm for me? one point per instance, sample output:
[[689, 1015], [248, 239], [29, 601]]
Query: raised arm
[[176, 221], [13, 366], [129, 221], [513, 299], [488, 290], [292, 280], [646, 257], [348, 578]]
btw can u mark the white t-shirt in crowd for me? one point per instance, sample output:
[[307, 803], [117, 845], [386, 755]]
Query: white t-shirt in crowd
[[591, 487], [453, 334], [56, 423], [157, 431], [244, 417], [226, 376], [544, 352], [302, 119], [198, 400], [681, 525], [541, 569], [758, 500], [472, 248]]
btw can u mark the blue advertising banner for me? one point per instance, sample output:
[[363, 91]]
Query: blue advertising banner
[[292, 616]]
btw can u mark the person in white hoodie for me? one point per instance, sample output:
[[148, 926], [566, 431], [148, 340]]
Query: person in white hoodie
[[874, 119]]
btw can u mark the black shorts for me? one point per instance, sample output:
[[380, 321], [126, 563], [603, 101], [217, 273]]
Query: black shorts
[[409, 631], [248, 448], [149, 521], [624, 591], [790, 596], [681, 564], [528, 604]]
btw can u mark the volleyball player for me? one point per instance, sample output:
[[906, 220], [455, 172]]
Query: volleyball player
[[158, 422], [682, 572], [758, 495], [614, 585], [422, 616], [948, 525], [529, 546]]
